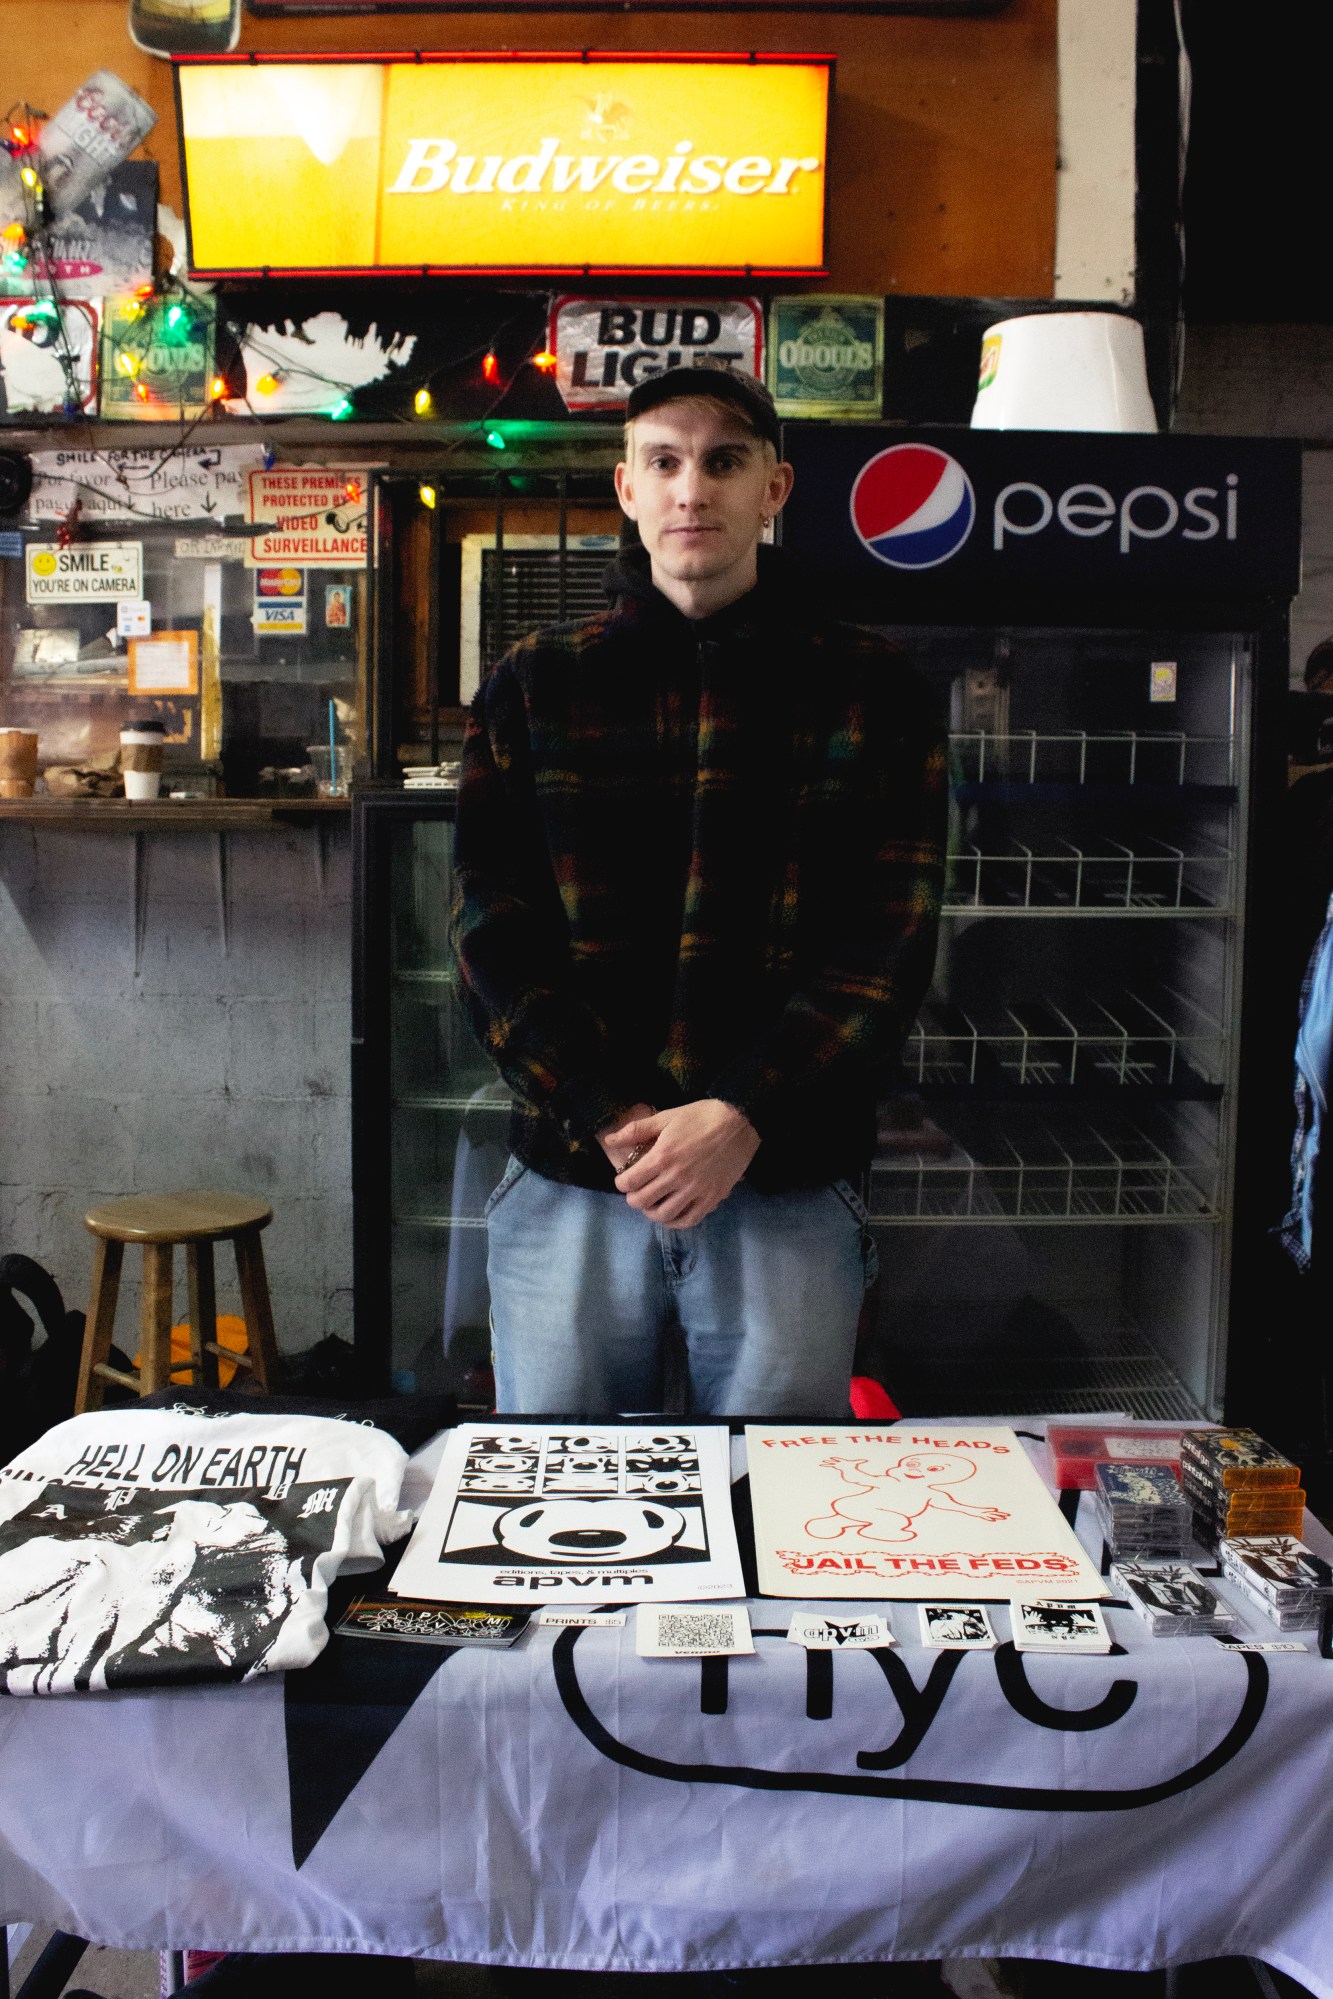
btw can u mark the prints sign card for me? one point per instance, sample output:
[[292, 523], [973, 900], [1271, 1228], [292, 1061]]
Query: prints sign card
[[826, 357], [605, 348], [538, 1513], [907, 1511]]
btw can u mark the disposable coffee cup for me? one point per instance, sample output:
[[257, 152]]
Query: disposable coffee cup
[[18, 763], [142, 750]]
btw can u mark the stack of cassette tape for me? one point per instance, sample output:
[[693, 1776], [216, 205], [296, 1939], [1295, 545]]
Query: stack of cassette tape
[[1174, 1600], [1141, 1510], [1281, 1577], [1237, 1484]]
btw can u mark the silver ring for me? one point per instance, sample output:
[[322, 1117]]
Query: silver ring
[[635, 1156]]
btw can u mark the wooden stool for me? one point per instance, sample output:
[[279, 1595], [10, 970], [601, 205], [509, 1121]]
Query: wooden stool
[[159, 1222]]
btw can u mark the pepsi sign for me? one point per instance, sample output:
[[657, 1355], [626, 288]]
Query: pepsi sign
[[902, 519], [913, 506]]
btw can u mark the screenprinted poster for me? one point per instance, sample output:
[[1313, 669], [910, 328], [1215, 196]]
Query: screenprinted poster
[[908, 1510], [552, 1514]]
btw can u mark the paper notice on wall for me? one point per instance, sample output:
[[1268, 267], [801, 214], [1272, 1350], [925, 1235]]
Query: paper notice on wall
[[908, 1511], [177, 485], [556, 1514]]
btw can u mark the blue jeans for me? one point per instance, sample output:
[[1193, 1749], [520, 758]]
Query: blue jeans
[[766, 1292]]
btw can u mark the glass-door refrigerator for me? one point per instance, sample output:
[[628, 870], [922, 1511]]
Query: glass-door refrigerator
[[1060, 1164], [1063, 1148]]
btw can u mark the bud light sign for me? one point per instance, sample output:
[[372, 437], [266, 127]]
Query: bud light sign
[[1025, 507]]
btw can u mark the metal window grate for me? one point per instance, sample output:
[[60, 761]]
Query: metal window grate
[[531, 596]]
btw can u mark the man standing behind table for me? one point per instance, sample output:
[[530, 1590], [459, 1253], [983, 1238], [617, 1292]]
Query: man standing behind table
[[699, 859]]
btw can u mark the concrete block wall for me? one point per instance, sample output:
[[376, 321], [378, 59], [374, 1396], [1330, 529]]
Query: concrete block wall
[[199, 1069]]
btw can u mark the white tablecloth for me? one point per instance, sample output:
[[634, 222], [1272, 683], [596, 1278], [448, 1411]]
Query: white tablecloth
[[568, 1804]]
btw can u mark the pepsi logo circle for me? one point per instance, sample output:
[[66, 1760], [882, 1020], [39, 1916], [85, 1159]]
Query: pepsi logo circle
[[913, 506]]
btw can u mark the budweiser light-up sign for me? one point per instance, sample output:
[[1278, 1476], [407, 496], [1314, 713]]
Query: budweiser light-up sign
[[496, 163]]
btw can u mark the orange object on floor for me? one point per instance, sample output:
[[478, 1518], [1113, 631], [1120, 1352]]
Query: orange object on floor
[[231, 1335]]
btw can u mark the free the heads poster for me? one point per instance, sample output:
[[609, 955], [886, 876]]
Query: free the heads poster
[[908, 1510]]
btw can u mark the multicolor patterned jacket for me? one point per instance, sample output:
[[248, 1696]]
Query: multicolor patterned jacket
[[699, 858]]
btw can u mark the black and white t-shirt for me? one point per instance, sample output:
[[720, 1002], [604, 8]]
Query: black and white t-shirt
[[143, 1547]]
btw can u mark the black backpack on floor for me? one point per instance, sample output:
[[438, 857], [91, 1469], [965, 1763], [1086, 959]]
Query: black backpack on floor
[[39, 1376]]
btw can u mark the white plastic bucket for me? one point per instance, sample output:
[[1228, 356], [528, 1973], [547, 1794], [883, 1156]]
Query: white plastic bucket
[[1064, 371]]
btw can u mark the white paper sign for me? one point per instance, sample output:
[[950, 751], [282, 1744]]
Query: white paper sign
[[211, 547], [839, 1634], [908, 1510], [604, 347], [192, 483], [692, 1631], [530, 1513], [87, 572]]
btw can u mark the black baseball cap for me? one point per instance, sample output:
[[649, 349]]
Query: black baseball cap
[[743, 393]]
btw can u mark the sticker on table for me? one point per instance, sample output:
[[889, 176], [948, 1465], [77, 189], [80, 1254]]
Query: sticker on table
[[421, 1623], [838, 1634], [956, 1627], [554, 1513], [1059, 1627], [692, 1631], [166, 663]]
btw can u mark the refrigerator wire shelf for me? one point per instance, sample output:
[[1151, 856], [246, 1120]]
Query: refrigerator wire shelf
[[1126, 1039], [1140, 1384], [1100, 877], [1078, 756], [1027, 1170]]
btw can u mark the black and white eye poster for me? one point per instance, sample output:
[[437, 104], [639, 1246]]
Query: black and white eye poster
[[544, 1513]]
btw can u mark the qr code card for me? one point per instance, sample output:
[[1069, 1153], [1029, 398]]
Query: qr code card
[[692, 1631]]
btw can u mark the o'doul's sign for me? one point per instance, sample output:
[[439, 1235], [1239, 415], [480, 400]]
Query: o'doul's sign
[[495, 163]]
